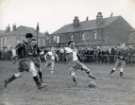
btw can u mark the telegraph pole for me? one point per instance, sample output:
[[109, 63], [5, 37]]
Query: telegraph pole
[[37, 32]]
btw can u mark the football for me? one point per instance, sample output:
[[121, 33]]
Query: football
[[92, 84]]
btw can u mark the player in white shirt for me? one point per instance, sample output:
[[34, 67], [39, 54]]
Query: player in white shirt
[[50, 60], [74, 62]]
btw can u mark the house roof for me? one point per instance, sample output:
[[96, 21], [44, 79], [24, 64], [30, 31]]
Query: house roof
[[22, 30], [85, 25]]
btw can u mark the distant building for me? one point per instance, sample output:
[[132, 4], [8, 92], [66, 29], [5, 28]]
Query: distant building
[[108, 31], [9, 39]]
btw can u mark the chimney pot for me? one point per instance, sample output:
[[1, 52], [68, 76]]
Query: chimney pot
[[87, 18], [76, 21]]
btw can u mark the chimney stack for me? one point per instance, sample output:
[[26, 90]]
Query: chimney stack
[[8, 29], [99, 18], [87, 18], [76, 21], [14, 27]]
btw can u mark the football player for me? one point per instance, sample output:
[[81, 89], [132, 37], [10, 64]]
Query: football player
[[25, 52], [121, 60], [74, 63], [50, 58]]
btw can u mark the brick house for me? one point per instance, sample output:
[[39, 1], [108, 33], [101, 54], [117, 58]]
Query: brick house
[[9, 39], [109, 31]]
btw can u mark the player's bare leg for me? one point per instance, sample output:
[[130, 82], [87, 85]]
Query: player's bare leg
[[74, 77], [115, 67], [113, 70], [52, 66], [92, 84], [35, 76], [123, 63], [73, 73], [122, 68], [121, 72], [91, 75], [88, 72]]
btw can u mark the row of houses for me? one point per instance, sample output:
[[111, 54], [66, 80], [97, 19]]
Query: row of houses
[[109, 31]]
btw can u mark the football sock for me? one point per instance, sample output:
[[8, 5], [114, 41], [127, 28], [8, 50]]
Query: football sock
[[37, 82], [12, 78], [40, 76], [121, 74], [112, 71]]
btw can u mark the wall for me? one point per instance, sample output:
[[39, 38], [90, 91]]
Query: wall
[[117, 32]]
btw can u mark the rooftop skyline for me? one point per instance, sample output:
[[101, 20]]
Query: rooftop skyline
[[53, 14]]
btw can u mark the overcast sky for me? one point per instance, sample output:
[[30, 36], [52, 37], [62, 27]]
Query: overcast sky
[[52, 14]]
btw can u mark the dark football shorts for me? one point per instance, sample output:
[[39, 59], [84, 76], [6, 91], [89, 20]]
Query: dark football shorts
[[24, 64]]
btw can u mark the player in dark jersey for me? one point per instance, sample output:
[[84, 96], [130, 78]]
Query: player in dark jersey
[[36, 58], [26, 62], [121, 60]]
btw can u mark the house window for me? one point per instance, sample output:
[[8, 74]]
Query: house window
[[56, 39], [72, 37], [95, 35], [5, 41], [83, 36]]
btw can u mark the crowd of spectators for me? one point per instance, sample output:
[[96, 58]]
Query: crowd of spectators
[[100, 56], [5, 54], [87, 55]]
